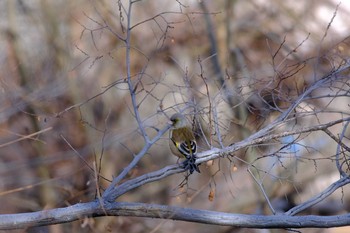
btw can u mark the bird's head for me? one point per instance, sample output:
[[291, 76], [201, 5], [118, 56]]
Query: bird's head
[[178, 120]]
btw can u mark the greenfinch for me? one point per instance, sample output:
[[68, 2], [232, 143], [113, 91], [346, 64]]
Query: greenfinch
[[182, 142]]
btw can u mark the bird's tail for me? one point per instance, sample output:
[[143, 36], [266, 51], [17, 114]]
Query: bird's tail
[[190, 164]]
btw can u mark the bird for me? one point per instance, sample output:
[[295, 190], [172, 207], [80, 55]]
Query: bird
[[182, 142]]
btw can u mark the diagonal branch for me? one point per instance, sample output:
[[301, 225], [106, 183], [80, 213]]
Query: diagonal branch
[[114, 191], [109, 194], [321, 196]]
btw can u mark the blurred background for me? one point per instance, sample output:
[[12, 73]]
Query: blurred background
[[66, 111]]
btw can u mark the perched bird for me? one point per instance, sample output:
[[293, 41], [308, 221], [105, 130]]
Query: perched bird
[[183, 143]]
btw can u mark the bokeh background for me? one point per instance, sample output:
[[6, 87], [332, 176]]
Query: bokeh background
[[66, 111]]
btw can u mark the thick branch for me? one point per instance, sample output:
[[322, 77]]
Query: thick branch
[[93, 209], [113, 191]]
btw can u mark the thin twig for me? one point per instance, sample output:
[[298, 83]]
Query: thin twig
[[23, 137]]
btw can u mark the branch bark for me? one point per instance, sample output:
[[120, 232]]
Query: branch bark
[[93, 209]]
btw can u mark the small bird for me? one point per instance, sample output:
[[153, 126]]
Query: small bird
[[183, 143]]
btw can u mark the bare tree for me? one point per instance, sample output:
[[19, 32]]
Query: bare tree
[[265, 130]]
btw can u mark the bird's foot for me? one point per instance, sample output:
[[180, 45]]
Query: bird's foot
[[190, 164]]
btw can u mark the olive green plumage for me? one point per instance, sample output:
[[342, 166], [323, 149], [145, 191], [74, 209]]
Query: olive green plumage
[[182, 142]]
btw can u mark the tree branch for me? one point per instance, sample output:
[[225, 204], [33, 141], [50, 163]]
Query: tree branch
[[93, 209], [321, 196], [114, 191]]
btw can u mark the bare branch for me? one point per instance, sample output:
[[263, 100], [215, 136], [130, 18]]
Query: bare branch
[[318, 198], [93, 209], [112, 192]]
